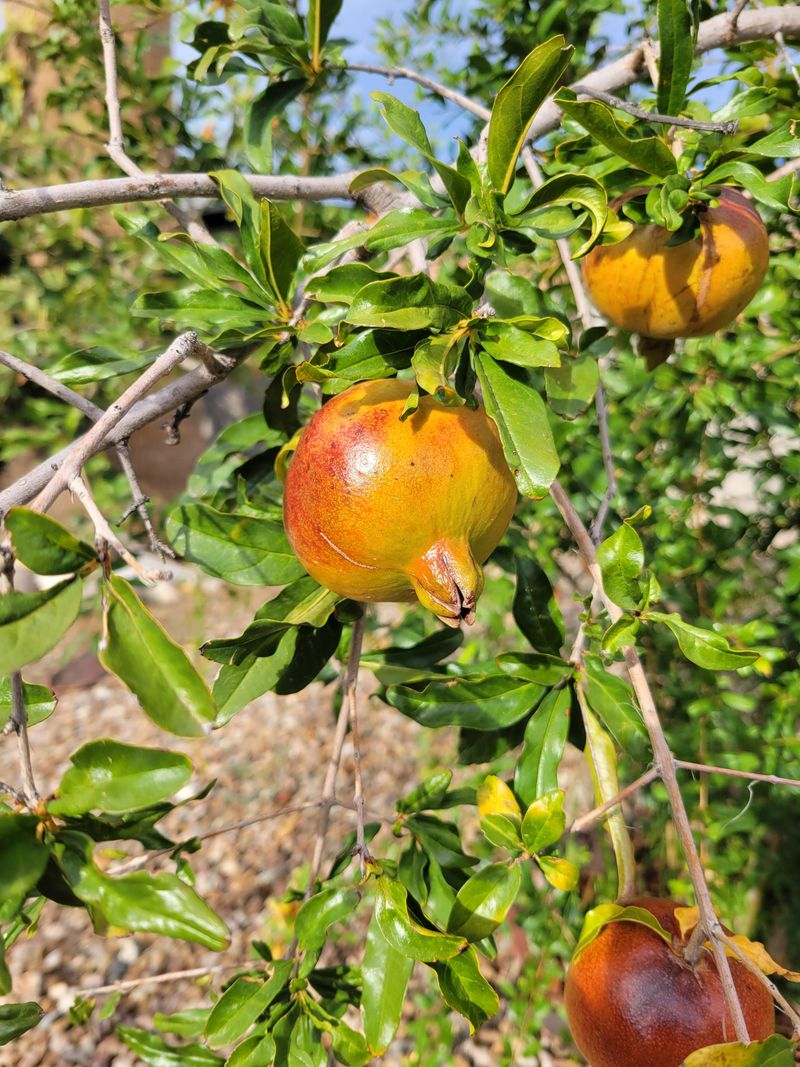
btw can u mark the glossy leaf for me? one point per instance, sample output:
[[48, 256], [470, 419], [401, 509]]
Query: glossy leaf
[[33, 623], [676, 37], [403, 933], [321, 16], [779, 194], [259, 117], [776, 1051], [156, 903], [321, 911], [242, 1003], [621, 559], [17, 1019], [483, 901], [535, 609], [483, 702], [280, 251], [571, 387], [24, 855], [254, 1052], [611, 699], [521, 418], [188, 1023], [544, 821], [409, 303], [604, 914], [44, 545], [575, 191], [499, 813], [516, 104], [385, 973], [170, 690], [523, 348], [154, 1050], [440, 840], [116, 777], [239, 548], [428, 794], [704, 647], [560, 873], [649, 154], [545, 739], [40, 702], [465, 989]]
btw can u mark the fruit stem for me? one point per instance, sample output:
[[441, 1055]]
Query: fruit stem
[[664, 761], [694, 946]]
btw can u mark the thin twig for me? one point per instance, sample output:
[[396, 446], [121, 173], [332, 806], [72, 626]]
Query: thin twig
[[705, 768], [127, 984], [583, 822], [428, 83], [116, 142], [186, 345], [664, 761], [19, 719], [351, 695], [95, 413], [601, 407], [654, 116], [738, 9], [15, 794], [104, 532], [756, 971]]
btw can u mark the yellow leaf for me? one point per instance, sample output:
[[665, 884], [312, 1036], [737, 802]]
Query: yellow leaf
[[560, 873], [757, 954], [687, 919], [495, 798]]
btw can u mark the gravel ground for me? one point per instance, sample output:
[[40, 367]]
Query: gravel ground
[[271, 755]]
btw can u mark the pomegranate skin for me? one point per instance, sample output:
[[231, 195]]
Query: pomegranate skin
[[633, 1001], [690, 290], [379, 509]]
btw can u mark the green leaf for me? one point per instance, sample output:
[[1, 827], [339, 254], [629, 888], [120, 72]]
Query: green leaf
[[236, 686], [89, 365], [321, 16], [539, 667], [545, 739], [409, 303], [428, 794], [516, 105], [570, 190], [434, 361], [340, 285], [155, 1051], [156, 903], [40, 702], [611, 699], [676, 38], [188, 1023], [44, 545], [239, 197], [406, 123], [620, 634], [704, 647], [621, 559], [544, 821], [254, 1052], [465, 989], [560, 873], [483, 901], [571, 387], [385, 973], [239, 548], [778, 195], [16, 1019], [521, 418], [776, 1051], [404, 934], [280, 250], [535, 609], [649, 154], [24, 856], [483, 702], [439, 839], [115, 777], [782, 143], [32, 623], [523, 348], [499, 813], [604, 914], [321, 911], [156, 669], [242, 1003]]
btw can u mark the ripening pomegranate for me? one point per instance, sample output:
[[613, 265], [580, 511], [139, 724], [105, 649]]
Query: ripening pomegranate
[[688, 290], [634, 1001], [377, 508]]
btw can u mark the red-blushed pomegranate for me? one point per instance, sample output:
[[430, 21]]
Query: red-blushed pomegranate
[[377, 508], [688, 290], [634, 1001]]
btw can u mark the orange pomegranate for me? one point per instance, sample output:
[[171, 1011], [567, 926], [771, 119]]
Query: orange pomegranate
[[379, 508], [688, 290], [634, 1001]]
